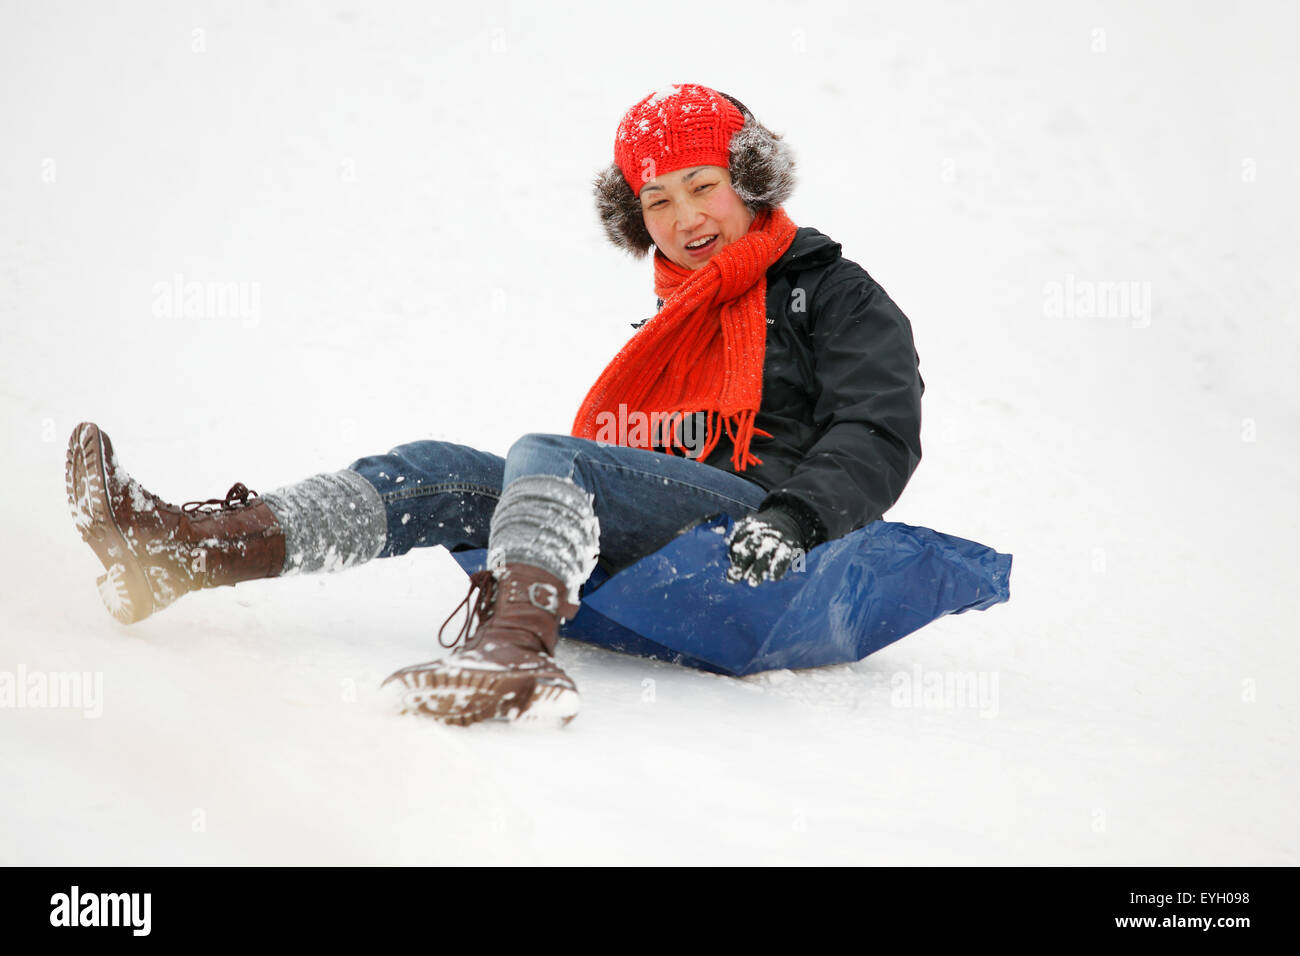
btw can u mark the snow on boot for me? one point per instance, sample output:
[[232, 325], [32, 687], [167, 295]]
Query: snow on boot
[[154, 552], [504, 668]]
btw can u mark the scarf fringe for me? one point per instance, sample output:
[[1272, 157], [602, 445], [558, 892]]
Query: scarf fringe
[[738, 426]]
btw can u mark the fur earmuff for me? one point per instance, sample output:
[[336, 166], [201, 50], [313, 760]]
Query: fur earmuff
[[762, 175], [620, 212]]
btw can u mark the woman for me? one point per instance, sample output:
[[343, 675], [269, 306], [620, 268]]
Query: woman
[[780, 382]]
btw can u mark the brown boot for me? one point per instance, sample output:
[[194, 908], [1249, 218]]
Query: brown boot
[[504, 670], [152, 551]]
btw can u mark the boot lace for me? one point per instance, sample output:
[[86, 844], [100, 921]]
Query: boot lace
[[484, 582], [238, 492]]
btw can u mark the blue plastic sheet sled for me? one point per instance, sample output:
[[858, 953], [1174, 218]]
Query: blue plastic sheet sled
[[855, 595]]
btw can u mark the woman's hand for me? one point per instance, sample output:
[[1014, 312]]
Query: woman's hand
[[764, 546]]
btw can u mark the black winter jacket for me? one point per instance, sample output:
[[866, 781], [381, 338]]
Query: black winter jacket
[[841, 393]]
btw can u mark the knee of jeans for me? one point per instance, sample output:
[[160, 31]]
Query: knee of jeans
[[397, 460], [538, 449], [544, 441], [415, 462], [407, 451]]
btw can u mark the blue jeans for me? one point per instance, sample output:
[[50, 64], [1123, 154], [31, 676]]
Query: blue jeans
[[437, 492]]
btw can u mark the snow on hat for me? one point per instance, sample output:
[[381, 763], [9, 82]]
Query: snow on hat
[[673, 128], [684, 125]]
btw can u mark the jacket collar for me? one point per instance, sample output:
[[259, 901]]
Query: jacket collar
[[809, 249]]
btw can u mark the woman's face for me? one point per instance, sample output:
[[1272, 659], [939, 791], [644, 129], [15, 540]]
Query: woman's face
[[689, 204]]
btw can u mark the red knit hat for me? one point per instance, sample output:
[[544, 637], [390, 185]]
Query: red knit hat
[[673, 128]]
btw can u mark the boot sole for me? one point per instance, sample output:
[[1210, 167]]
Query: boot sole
[[470, 697], [123, 587], [549, 704]]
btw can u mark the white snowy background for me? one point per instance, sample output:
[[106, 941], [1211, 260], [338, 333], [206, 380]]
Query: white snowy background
[[407, 187]]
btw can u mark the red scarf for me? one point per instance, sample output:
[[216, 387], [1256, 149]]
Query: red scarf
[[703, 350]]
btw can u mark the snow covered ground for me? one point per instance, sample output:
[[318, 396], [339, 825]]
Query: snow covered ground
[[402, 193]]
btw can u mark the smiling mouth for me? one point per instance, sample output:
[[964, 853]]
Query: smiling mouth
[[703, 246]]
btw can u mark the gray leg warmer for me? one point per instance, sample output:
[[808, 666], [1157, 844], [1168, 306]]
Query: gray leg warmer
[[549, 522], [330, 521]]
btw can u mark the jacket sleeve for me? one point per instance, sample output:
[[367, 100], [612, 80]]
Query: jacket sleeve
[[867, 410]]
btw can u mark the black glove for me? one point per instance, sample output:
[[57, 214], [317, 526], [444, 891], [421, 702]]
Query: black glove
[[765, 544]]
